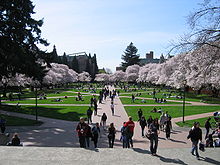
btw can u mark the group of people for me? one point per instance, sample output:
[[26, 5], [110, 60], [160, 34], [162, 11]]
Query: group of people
[[5, 137]]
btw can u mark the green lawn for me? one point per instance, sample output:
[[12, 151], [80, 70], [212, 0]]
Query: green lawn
[[174, 111], [17, 121], [189, 123], [71, 113], [69, 100], [125, 100]]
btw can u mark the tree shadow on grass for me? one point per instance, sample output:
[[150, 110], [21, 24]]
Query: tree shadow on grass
[[50, 112]]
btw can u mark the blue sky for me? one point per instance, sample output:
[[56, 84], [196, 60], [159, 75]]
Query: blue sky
[[106, 27]]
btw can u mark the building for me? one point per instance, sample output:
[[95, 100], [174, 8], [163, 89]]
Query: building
[[150, 59]]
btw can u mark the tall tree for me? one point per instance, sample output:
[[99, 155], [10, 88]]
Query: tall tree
[[75, 64], [19, 36], [204, 26], [130, 56], [64, 59], [95, 68]]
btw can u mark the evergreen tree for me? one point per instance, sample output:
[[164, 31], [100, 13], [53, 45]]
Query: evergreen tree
[[64, 59], [55, 57], [95, 66], [130, 56], [75, 64], [19, 36], [88, 66]]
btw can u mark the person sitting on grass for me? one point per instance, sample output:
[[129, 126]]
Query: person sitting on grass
[[143, 101]]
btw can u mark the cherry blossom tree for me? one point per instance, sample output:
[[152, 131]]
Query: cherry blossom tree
[[102, 77], [118, 76], [132, 73], [84, 77]]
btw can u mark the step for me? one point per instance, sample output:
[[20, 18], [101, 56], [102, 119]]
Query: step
[[66, 156]]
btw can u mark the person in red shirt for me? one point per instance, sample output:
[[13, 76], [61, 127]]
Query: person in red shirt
[[130, 131]]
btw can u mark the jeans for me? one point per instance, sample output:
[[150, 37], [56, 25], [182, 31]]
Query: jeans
[[125, 141], [142, 131], [130, 140], [82, 141], [87, 141], [95, 139], [111, 141], [195, 147], [207, 133], [89, 119], [153, 143]]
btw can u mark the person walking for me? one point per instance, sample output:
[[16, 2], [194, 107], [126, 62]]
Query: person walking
[[149, 121], [130, 131], [88, 136], [143, 124], [111, 135], [82, 128], [207, 127], [154, 131], [168, 127], [89, 115], [95, 134], [124, 136], [95, 108], [195, 134], [113, 109], [103, 120], [163, 119], [2, 124], [140, 114], [132, 98]]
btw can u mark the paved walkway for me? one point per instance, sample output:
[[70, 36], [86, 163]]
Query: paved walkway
[[62, 133], [78, 156]]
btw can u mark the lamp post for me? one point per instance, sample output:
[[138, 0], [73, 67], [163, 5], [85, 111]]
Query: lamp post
[[36, 113], [184, 97]]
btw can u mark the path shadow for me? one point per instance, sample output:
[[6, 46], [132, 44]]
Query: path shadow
[[92, 149], [116, 116], [177, 141], [210, 160], [139, 150], [161, 138], [169, 160]]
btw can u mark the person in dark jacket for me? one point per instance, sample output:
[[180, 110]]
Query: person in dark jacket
[[111, 135], [207, 127], [149, 121], [154, 131], [15, 140], [82, 129], [143, 124], [168, 127], [89, 115], [140, 114], [95, 134], [195, 134]]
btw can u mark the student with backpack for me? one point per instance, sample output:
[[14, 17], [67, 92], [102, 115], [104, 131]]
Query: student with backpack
[[103, 120]]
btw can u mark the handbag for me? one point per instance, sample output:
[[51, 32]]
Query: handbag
[[201, 147], [148, 135]]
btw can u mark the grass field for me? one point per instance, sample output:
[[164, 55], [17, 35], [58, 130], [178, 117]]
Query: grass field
[[70, 113], [17, 121], [189, 123], [138, 101], [69, 100], [174, 111]]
